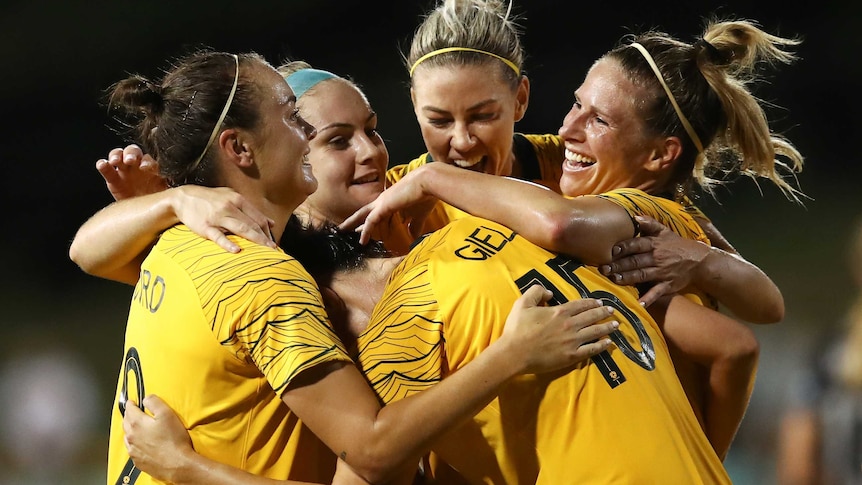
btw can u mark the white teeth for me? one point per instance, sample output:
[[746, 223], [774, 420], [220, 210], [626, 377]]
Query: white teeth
[[366, 179], [467, 163], [578, 158]]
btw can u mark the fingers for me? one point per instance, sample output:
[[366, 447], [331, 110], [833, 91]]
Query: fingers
[[149, 164], [649, 226], [632, 246], [251, 225], [365, 233], [635, 276], [593, 348], [132, 417], [107, 171], [132, 156], [217, 236], [356, 219], [156, 405], [632, 262], [589, 316], [534, 296], [656, 292], [580, 306]]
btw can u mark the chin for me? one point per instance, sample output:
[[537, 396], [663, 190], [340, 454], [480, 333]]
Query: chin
[[311, 186]]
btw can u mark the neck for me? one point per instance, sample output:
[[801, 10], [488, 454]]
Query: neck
[[279, 210], [361, 289]]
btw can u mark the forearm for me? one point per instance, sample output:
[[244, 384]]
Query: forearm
[[740, 286], [731, 383], [728, 350], [399, 434], [113, 242], [584, 227]]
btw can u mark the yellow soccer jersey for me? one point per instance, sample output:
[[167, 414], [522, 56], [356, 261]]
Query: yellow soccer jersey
[[219, 336], [621, 417], [679, 218], [541, 159], [673, 215]]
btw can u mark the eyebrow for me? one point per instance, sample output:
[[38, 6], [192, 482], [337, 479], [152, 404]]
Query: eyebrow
[[282, 101], [338, 124], [475, 107]]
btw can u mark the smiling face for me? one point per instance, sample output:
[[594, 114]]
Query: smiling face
[[282, 143], [348, 156], [467, 115], [607, 143]]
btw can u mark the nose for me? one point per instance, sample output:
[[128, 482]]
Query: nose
[[368, 151], [462, 140], [309, 129], [572, 128]]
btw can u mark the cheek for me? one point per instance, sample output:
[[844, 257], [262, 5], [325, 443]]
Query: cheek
[[434, 140], [383, 158]]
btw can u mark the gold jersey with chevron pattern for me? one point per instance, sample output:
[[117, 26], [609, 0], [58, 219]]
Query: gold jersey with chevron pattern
[[219, 337], [678, 218], [541, 160], [621, 417]]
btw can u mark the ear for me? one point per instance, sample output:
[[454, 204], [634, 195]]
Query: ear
[[665, 154], [522, 98], [235, 146]]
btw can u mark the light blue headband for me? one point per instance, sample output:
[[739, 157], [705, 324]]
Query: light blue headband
[[305, 79]]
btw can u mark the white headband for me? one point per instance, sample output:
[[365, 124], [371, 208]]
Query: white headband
[[220, 118], [685, 124]]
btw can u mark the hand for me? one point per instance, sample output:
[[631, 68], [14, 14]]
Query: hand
[[215, 212], [158, 443], [555, 337], [128, 172], [407, 196], [658, 255]]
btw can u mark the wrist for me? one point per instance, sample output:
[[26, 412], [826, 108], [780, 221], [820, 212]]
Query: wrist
[[186, 468], [508, 357], [706, 269], [428, 180], [172, 203]]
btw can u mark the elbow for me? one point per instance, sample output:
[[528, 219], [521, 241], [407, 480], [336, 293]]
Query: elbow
[[743, 351], [78, 256], [576, 235], [770, 310], [557, 231], [774, 310], [772, 314]]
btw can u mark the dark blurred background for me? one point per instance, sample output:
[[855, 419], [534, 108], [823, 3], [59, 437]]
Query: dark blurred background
[[63, 330]]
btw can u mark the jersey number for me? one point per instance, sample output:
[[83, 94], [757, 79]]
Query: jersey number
[[132, 365], [565, 268]]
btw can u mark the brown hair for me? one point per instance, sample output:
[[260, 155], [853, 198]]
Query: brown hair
[[709, 79], [173, 119]]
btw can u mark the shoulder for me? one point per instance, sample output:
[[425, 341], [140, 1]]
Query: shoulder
[[398, 172], [670, 213]]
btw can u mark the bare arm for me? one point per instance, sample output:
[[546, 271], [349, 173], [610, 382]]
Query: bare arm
[[404, 430], [336, 402], [728, 350], [113, 243], [675, 262], [584, 227]]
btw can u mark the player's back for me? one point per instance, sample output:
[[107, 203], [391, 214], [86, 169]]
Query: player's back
[[620, 418], [195, 316]]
